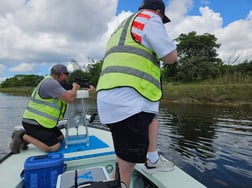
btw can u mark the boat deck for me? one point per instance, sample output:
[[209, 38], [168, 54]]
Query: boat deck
[[99, 152]]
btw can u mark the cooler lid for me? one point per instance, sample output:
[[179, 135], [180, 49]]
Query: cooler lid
[[44, 161]]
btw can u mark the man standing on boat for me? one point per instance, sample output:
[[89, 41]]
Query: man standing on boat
[[45, 108], [129, 87]]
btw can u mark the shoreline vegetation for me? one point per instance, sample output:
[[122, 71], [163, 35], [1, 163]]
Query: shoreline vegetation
[[209, 94], [205, 94]]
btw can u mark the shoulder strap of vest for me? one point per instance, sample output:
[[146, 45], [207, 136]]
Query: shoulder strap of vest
[[124, 31], [121, 47], [38, 86]]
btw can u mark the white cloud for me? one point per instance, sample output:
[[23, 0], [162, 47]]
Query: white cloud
[[207, 22], [42, 33], [52, 31], [177, 10], [235, 38], [113, 23], [24, 67]]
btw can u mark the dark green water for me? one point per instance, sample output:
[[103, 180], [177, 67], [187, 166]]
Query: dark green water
[[212, 144]]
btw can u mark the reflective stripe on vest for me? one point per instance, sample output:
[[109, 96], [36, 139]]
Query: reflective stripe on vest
[[130, 64], [46, 112]]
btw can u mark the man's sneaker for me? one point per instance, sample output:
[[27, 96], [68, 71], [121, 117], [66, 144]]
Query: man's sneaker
[[162, 165], [24, 145], [17, 142]]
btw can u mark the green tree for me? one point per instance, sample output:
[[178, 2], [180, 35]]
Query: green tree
[[91, 73], [21, 80], [78, 74], [169, 72], [239, 73], [197, 57], [94, 70]]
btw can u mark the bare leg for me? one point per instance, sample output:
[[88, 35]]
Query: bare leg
[[61, 137], [157, 163], [40, 144], [153, 135], [126, 169]]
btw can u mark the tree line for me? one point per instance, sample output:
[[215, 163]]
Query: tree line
[[197, 61]]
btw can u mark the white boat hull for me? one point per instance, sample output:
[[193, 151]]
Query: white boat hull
[[93, 156]]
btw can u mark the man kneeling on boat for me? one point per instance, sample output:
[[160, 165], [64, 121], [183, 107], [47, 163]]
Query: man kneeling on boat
[[46, 107]]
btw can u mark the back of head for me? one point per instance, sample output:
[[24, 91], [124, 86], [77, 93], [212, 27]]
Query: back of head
[[58, 69], [155, 5]]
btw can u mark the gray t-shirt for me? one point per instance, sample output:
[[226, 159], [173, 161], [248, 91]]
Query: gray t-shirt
[[51, 88]]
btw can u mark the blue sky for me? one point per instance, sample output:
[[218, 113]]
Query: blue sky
[[36, 35], [230, 10]]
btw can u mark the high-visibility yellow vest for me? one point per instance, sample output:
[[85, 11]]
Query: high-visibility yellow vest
[[130, 64], [47, 112]]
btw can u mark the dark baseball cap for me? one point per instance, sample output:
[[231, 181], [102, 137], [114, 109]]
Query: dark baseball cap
[[59, 68], [154, 5]]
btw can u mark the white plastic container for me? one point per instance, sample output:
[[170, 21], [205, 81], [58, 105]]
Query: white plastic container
[[82, 94]]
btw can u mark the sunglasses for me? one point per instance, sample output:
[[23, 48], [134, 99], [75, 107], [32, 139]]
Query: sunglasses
[[66, 73]]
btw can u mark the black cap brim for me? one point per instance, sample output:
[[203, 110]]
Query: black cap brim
[[166, 19]]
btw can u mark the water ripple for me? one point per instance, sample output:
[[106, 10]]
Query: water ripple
[[212, 144]]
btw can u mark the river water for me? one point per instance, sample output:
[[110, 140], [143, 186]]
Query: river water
[[213, 144]]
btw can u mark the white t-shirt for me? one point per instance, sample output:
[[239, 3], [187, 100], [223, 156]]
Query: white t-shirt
[[120, 103]]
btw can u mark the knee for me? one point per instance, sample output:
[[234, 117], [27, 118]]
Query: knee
[[26, 138], [61, 137], [55, 147]]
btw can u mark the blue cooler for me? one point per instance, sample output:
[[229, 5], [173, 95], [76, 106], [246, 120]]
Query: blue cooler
[[42, 171]]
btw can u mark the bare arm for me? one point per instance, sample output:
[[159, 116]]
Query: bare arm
[[170, 58], [70, 95]]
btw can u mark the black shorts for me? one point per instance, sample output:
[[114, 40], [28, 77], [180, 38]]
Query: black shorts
[[131, 137], [45, 135]]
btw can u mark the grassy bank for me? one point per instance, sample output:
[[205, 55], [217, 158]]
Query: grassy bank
[[216, 94], [23, 91]]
